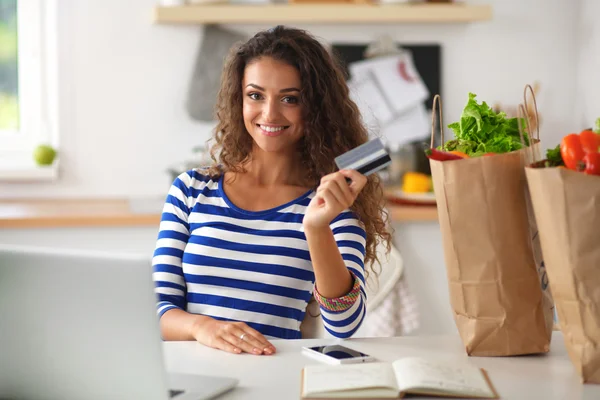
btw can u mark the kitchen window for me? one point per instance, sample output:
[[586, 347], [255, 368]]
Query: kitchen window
[[28, 86], [9, 73]]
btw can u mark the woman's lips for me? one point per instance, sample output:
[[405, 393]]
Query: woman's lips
[[271, 130]]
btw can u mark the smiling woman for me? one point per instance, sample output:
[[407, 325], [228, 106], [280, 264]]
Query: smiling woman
[[272, 110], [245, 243]]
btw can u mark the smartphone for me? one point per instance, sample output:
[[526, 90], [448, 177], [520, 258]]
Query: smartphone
[[337, 354]]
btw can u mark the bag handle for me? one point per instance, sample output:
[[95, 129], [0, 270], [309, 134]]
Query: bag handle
[[521, 114], [437, 100], [535, 109]]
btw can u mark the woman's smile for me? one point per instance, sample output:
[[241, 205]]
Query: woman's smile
[[272, 130]]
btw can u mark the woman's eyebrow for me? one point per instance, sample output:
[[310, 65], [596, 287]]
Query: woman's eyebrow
[[255, 86], [287, 90]]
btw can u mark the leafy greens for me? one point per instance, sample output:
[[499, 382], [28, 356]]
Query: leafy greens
[[481, 130], [554, 159]]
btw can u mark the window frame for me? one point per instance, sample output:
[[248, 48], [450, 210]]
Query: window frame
[[37, 31]]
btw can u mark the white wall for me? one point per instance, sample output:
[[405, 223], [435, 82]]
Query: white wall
[[588, 66], [420, 244], [124, 81]]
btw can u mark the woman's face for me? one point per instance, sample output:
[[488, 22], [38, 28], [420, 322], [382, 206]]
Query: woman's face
[[271, 106]]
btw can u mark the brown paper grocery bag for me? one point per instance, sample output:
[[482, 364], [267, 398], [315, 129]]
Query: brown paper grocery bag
[[567, 209], [495, 290]]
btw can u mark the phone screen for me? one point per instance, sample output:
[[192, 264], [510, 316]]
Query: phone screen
[[338, 352]]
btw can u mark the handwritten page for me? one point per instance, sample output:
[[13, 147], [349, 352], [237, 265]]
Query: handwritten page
[[323, 379], [419, 375]]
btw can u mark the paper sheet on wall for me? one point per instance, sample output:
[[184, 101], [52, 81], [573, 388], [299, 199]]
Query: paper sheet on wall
[[409, 126], [396, 75], [373, 106]]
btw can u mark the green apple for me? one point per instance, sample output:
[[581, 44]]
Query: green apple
[[44, 154]]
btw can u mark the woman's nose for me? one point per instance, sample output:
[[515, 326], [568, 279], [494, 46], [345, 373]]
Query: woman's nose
[[271, 110]]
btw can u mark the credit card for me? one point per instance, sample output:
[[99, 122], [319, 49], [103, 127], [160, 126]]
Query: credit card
[[367, 158]]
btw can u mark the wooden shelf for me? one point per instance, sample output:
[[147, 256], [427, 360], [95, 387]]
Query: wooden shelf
[[322, 13], [413, 213]]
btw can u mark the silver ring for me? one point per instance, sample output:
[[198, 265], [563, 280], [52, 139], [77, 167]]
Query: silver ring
[[242, 337]]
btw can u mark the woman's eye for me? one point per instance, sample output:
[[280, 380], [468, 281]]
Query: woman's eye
[[290, 100], [254, 96]]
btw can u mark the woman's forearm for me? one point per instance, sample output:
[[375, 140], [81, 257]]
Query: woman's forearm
[[331, 274], [176, 324]]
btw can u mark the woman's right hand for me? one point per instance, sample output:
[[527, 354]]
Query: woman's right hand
[[234, 337]]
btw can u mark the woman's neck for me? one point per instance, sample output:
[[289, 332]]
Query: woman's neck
[[273, 169]]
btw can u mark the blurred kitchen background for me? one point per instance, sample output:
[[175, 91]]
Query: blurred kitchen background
[[126, 91]]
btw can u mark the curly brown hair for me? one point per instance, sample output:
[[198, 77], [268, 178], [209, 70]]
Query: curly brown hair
[[332, 121]]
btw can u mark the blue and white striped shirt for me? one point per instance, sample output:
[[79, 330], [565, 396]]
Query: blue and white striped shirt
[[215, 259]]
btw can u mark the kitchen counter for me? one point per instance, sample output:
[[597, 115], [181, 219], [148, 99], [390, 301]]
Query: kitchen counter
[[53, 213]]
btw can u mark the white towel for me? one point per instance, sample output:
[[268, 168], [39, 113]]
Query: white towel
[[396, 315], [391, 307], [206, 78]]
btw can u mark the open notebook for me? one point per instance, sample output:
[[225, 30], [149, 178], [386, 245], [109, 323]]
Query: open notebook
[[390, 381]]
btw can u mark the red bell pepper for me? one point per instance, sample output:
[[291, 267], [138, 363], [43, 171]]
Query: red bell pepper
[[592, 163], [571, 151], [582, 152], [437, 155], [590, 141]]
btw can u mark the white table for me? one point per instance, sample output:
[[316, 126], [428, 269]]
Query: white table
[[277, 377]]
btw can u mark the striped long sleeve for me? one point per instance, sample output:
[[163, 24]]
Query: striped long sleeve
[[216, 259], [350, 237], [174, 232]]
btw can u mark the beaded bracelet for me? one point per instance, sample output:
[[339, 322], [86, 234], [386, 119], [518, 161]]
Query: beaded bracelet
[[339, 303]]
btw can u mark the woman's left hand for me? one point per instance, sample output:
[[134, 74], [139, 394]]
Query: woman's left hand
[[334, 195]]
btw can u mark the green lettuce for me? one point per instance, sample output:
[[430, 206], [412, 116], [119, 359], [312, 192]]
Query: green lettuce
[[597, 130], [554, 158], [481, 130]]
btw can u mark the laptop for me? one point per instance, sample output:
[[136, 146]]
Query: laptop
[[83, 325]]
